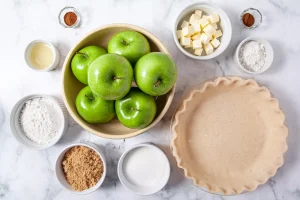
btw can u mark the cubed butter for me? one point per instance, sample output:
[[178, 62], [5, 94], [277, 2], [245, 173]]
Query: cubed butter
[[194, 19], [197, 28], [197, 44], [214, 18], [205, 17], [214, 25], [203, 22], [204, 38], [208, 48], [196, 36], [209, 30], [215, 43], [179, 33], [189, 46], [198, 51], [199, 13], [188, 31], [184, 24], [185, 41], [217, 34]]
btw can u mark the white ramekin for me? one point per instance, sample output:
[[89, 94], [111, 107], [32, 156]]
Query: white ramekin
[[149, 189], [225, 26], [28, 52], [61, 176], [269, 55], [61, 114]]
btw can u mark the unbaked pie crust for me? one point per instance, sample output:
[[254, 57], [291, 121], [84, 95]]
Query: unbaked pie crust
[[229, 136]]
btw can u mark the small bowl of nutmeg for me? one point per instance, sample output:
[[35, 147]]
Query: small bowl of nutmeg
[[81, 167]]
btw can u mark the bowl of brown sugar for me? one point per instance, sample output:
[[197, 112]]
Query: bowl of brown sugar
[[81, 167]]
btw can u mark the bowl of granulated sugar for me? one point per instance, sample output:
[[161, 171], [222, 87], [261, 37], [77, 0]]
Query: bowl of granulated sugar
[[38, 121], [254, 55]]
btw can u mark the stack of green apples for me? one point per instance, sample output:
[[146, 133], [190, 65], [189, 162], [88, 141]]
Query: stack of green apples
[[109, 76]]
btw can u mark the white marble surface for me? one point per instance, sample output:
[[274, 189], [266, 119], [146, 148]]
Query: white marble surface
[[27, 174]]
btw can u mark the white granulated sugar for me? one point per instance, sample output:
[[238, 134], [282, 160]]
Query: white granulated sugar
[[252, 55], [37, 121]]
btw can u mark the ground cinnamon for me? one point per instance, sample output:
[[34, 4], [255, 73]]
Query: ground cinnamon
[[248, 19], [70, 18]]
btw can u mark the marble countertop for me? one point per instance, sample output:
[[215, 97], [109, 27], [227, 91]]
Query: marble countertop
[[27, 174]]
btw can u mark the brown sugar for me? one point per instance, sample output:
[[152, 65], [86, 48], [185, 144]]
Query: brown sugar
[[70, 18], [82, 167]]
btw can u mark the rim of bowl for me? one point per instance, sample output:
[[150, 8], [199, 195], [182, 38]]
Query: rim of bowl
[[206, 57], [136, 131], [150, 145], [269, 53], [54, 50], [16, 112], [98, 150]]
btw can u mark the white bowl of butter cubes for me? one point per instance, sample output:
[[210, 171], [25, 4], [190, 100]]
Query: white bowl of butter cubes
[[202, 31]]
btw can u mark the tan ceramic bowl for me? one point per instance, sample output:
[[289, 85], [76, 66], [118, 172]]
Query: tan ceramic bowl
[[71, 86]]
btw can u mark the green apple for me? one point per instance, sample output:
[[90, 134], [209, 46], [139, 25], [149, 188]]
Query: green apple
[[136, 109], [82, 60], [155, 73], [110, 76], [93, 109], [130, 44]]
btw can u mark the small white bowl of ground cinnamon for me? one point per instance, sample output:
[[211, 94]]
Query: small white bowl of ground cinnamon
[[81, 168]]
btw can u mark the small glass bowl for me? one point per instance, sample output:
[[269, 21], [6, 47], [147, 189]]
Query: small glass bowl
[[257, 18], [62, 14]]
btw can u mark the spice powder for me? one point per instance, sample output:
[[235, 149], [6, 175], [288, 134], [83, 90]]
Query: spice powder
[[82, 167], [70, 18]]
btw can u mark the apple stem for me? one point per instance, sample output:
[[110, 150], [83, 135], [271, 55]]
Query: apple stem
[[134, 109], [91, 98], [82, 54], [124, 42], [157, 84], [115, 78]]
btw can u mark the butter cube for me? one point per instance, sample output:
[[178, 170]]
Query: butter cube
[[197, 44], [184, 24], [199, 13], [179, 33], [209, 30], [205, 17], [214, 25], [203, 22], [185, 41], [204, 38], [197, 28], [208, 48], [188, 31], [215, 43], [194, 18], [217, 34], [198, 51], [189, 46], [196, 36], [213, 18]]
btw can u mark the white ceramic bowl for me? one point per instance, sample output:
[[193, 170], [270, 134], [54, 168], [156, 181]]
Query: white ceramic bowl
[[146, 190], [61, 176], [61, 117], [28, 52], [208, 9], [269, 55]]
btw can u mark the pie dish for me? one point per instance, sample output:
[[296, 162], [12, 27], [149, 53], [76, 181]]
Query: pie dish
[[229, 135]]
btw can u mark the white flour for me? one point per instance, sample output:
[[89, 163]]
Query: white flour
[[252, 55], [37, 120]]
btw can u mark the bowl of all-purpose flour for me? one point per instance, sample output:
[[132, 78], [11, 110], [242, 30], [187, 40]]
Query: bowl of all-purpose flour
[[254, 55], [38, 121]]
